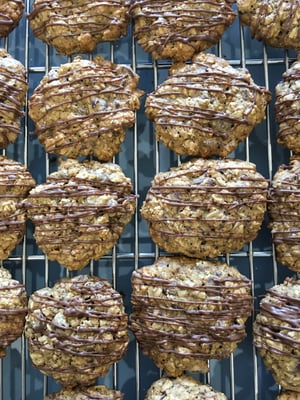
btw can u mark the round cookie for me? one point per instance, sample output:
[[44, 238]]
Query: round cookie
[[182, 388], [187, 311], [205, 208], [11, 12], [13, 88], [77, 27], [15, 183], [178, 29], [84, 107], [287, 108], [276, 22], [99, 392], [13, 309], [206, 108], [277, 335], [284, 212], [81, 211], [288, 395], [76, 330]]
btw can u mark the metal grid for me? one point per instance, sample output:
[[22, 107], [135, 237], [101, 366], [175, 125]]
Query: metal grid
[[243, 376]]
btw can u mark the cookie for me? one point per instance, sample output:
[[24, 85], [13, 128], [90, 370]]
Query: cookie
[[276, 22], [277, 335], [77, 27], [80, 211], [207, 107], [13, 309], [288, 395], [177, 29], [15, 183], [84, 108], [11, 12], [287, 108], [76, 330], [205, 208], [99, 392], [182, 388], [187, 311], [13, 88], [284, 211]]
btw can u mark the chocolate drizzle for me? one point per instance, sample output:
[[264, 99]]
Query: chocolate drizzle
[[85, 107], [78, 27], [191, 320], [284, 212], [277, 332], [13, 309], [10, 14], [82, 217], [85, 326], [13, 87], [207, 107], [207, 206], [287, 108], [276, 23], [163, 28]]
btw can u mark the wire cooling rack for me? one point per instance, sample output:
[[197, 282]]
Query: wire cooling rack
[[242, 376]]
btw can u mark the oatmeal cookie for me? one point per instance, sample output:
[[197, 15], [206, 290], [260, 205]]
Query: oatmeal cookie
[[287, 108], [15, 183], [11, 12], [288, 395], [284, 214], [13, 88], [78, 26], [206, 108], [76, 330], [84, 107], [277, 335], [13, 309], [204, 208], [81, 211], [178, 29], [182, 388], [187, 311], [99, 392], [276, 22]]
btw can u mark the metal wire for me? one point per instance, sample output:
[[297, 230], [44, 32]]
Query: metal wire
[[136, 374]]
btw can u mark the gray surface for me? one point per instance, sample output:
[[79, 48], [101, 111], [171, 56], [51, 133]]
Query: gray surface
[[243, 377]]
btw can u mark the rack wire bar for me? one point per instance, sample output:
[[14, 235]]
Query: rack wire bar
[[243, 376]]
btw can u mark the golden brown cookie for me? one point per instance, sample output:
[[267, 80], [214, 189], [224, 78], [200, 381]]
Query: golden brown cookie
[[15, 183], [182, 388], [287, 108], [277, 335], [204, 208], [13, 88], [187, 311], [276, 22], [99, 392], [77, 27], [284, 212], [11, 12], [206, 108], [76, 330], [180, 28], [84, 108], [288, 395], [13, 309], [81, 211]]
